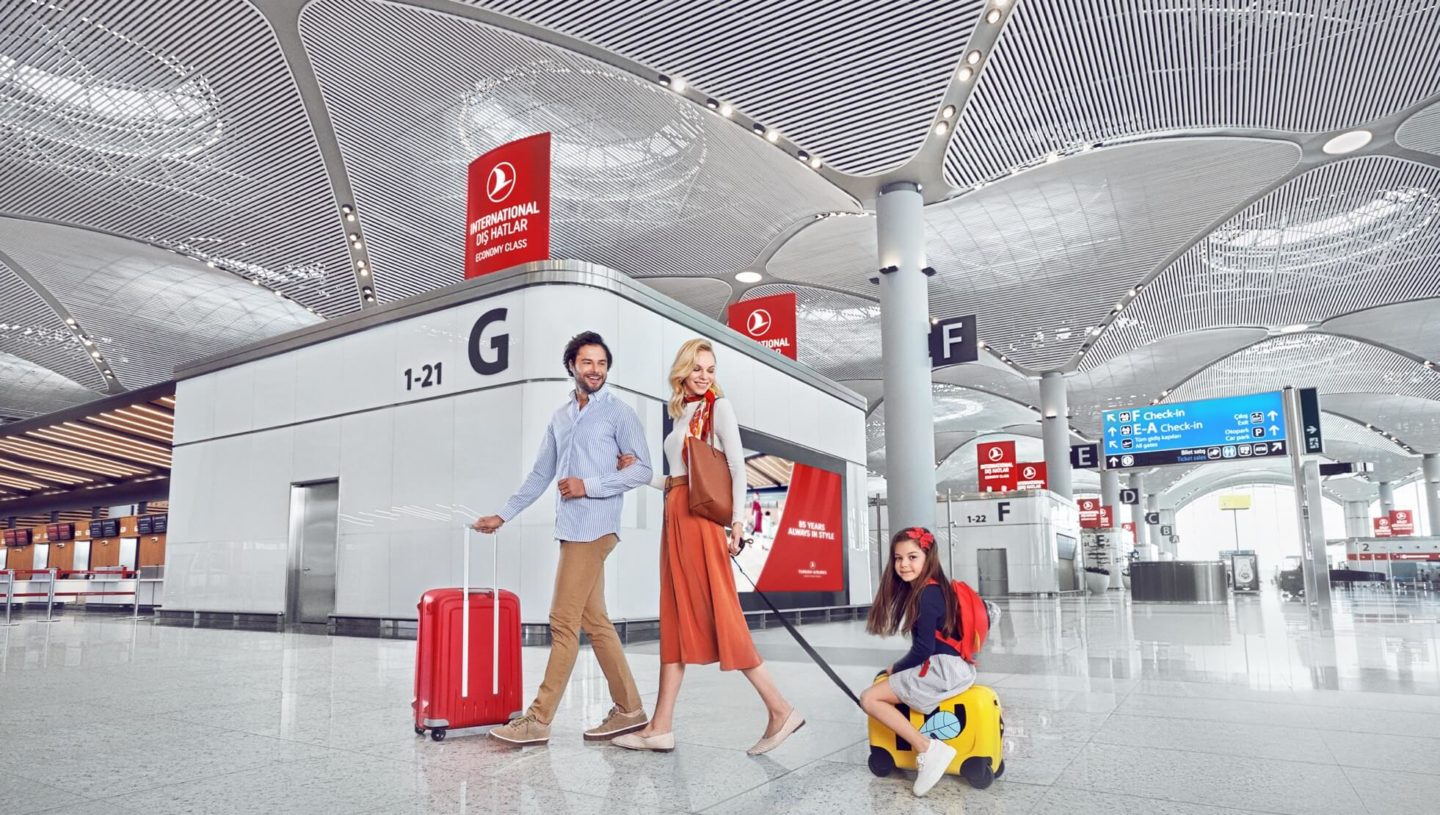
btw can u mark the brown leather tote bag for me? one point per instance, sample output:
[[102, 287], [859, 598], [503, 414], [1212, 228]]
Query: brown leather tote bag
[[709, 482]]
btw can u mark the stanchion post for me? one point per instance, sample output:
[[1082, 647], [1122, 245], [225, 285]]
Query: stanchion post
[[50, 596], [9, 592], [136, 587]]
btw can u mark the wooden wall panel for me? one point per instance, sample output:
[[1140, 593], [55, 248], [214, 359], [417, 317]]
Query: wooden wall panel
[[104, 552], [151, 551]]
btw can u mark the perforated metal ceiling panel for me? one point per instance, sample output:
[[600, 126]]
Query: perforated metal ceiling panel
[[1346, 440], [837, 253], [1331, 364], [1044, 256], [1410, 419], [1343, 237], [838, 334], [1421, 131], [705, 296], [1068, 74], [1412, 327], [1146, 373], [174, 122], [31, 330], [147, 310], [990, 376], [829, 76], [31, 390], [642, 181]]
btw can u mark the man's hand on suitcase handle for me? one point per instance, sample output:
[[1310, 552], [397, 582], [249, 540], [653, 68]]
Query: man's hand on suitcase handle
[[489, 524]]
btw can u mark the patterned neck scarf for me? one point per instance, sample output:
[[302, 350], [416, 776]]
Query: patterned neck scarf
[[701, 421]]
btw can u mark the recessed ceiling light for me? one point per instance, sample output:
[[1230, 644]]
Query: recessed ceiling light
[[941, 128], [966, 72], [772, 135], [993, 17], [712, 103], [678, 85], [748, 277], [973, 57], [1294, 329], [815, 162], [1347, 142], [726, 109], [948, 112]]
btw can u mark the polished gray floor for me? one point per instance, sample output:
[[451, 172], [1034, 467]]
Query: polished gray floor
[[1111, 707]]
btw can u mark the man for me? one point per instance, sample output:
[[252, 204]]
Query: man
[[586, 437]]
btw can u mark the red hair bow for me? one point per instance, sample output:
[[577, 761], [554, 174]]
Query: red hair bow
[[921, 536]]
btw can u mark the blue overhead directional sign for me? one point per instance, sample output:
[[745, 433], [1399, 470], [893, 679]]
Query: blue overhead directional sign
[[1228, 429]]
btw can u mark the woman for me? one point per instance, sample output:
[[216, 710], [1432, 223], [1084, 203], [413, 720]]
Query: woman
[[700, 617]]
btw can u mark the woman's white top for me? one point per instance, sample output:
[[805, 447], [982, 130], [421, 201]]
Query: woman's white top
[[726, 439]]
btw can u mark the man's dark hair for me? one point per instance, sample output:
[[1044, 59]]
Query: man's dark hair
[[572, 349]]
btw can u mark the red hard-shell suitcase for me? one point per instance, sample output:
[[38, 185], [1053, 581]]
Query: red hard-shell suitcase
[[467, 656]]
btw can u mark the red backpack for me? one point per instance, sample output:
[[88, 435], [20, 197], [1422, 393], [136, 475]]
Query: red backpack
[[974, 622]]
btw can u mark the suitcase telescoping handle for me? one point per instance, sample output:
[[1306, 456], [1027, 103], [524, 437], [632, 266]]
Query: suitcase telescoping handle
[[494, 620]]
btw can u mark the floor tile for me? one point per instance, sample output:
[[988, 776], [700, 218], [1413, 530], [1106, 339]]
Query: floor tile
[[1220, 738], [1202, 778], [1070, 801], [1386, 752], [1386, 791]]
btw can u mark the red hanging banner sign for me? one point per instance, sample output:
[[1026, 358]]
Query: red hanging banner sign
[[1402, 522], [808, 553], [997, 466], [1107, 517], [1089, 513], [508, 206], [769, 321], [1382, 527], [1032, 475]]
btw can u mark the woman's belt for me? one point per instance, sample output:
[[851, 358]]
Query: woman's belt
[[676, 481]]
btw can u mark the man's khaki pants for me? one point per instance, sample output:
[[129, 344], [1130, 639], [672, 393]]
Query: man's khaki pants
[[579, 602]]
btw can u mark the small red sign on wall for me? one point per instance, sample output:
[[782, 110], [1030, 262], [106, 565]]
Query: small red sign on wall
[[1032, 476], [508, 206], [1089, 513], [769, 321], [1402, 522], [1107, 517], [1382, 527]]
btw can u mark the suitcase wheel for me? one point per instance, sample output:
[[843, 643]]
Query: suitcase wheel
[[881, 762], [419, 731], [976, 770], [438, 734]]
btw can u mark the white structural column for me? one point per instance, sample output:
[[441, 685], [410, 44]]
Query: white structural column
[[1110, 490], [1137, 509], [1431, 463], [1055, 431], [1387, 498], [1357, 519], [1152, 533], [904, 342]]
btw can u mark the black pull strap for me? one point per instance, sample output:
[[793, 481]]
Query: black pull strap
[[819, 660]]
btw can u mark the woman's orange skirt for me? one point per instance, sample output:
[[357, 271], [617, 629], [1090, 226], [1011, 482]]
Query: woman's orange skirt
[[700, 617]]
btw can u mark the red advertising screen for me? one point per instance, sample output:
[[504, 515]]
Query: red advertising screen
[[997, 465], [807, 550], [508, 206], [769, 321]]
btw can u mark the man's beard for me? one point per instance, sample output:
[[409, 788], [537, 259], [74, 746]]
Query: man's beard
[[584, 385]]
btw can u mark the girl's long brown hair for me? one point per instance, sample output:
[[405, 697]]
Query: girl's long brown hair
[[897, 604]]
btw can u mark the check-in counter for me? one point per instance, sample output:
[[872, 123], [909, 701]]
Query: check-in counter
[[1178, 581]]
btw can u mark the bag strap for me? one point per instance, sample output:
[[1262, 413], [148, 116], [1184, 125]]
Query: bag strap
[[806, 646]]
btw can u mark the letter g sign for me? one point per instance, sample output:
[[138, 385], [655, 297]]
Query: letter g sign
[[499, 344]]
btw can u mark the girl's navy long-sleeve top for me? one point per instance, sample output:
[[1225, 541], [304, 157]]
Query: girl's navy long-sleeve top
[[923, 643]]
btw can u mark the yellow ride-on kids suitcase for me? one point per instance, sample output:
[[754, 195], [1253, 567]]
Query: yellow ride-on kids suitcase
[[971, 722]]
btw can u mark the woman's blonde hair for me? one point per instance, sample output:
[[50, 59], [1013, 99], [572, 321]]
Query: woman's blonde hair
[[684, 361]]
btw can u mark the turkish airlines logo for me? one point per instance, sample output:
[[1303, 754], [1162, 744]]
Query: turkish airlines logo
[[501, 182], [1029, 472], [996, 453], [1402, 516], [757, 323]]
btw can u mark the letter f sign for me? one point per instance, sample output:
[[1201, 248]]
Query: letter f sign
[[953, 341]]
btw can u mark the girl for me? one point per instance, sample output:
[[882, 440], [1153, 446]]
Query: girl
[[918, 596]]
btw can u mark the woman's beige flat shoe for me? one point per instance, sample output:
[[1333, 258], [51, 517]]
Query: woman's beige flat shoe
[[662, 743], [793, 722]]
